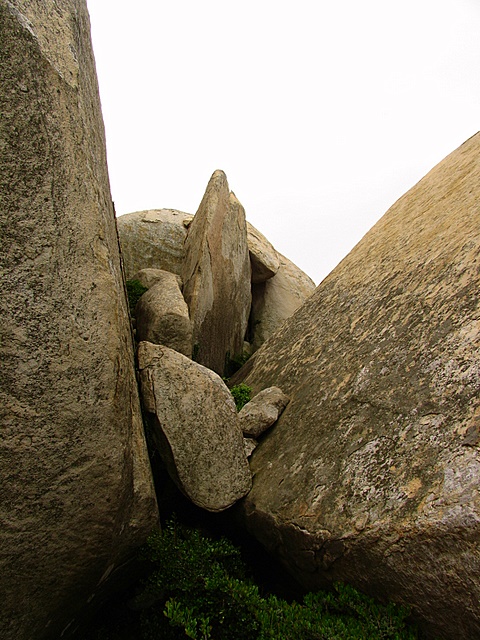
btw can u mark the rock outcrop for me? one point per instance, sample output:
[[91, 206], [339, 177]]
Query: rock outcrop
[[276, 299], [153, 239], [156, 240], [216, 276], [76, 494], [162, 314], [195, 426], [371, 475]]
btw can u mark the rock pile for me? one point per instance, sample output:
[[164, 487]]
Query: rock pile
[[236, 285], [196, 428]]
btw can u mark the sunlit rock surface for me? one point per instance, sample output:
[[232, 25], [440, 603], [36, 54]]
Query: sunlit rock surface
[[371, 474]]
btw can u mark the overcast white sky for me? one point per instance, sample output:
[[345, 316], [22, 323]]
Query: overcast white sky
[[321, 113]]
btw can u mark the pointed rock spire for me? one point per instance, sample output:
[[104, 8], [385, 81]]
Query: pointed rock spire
[[216, 275]]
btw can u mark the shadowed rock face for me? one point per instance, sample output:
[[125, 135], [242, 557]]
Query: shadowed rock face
[[216, 276], [371, 474], [276, 299], [76, 493]]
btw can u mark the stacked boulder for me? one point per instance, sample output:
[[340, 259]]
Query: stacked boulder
[[236, 285], [203, 442]]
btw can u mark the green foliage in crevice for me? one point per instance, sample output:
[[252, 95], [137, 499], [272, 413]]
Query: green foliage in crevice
[[135, 291], [242, 394], [201, 590]]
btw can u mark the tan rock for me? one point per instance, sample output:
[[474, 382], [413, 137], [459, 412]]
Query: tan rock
[[250, 445], [277, 299], [76, 495], [264, 259], [149, 277], [262, 411], [162, 315], [216, 276], [153, 239], [195, 426], [371, 475]]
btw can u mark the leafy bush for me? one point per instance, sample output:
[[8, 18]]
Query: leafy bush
[[135, 291], [242, 394], [202, 592]]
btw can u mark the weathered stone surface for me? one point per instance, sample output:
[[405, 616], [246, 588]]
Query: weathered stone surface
[[75, 491], [262, 411], [149, 277], [195, 426], [371, 475], [250, 445], [263, 257], [153, 239], [277, 299], [162, 315], [216, 276]]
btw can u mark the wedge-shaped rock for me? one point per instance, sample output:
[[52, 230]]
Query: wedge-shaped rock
[[262, 411], [195, 426], [372, 474], [153, 239], [216, 276], [264, 259], [76, 494], [276, 299], [162, 314]]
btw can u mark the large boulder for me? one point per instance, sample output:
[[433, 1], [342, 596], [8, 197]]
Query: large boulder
[[153, 239], [76, 495], [162, 316], [195, 427], [276, 299], [371, 474], [216, 276]]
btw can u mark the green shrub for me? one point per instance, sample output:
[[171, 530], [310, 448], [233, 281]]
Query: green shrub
[[135, 291], [202, 591], [242, 394]]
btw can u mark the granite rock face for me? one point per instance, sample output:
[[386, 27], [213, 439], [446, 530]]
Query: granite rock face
[[76, 494], [162, 314], [276, 299], [216, 275], [195, 426], [153, 239], [371, 475]]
